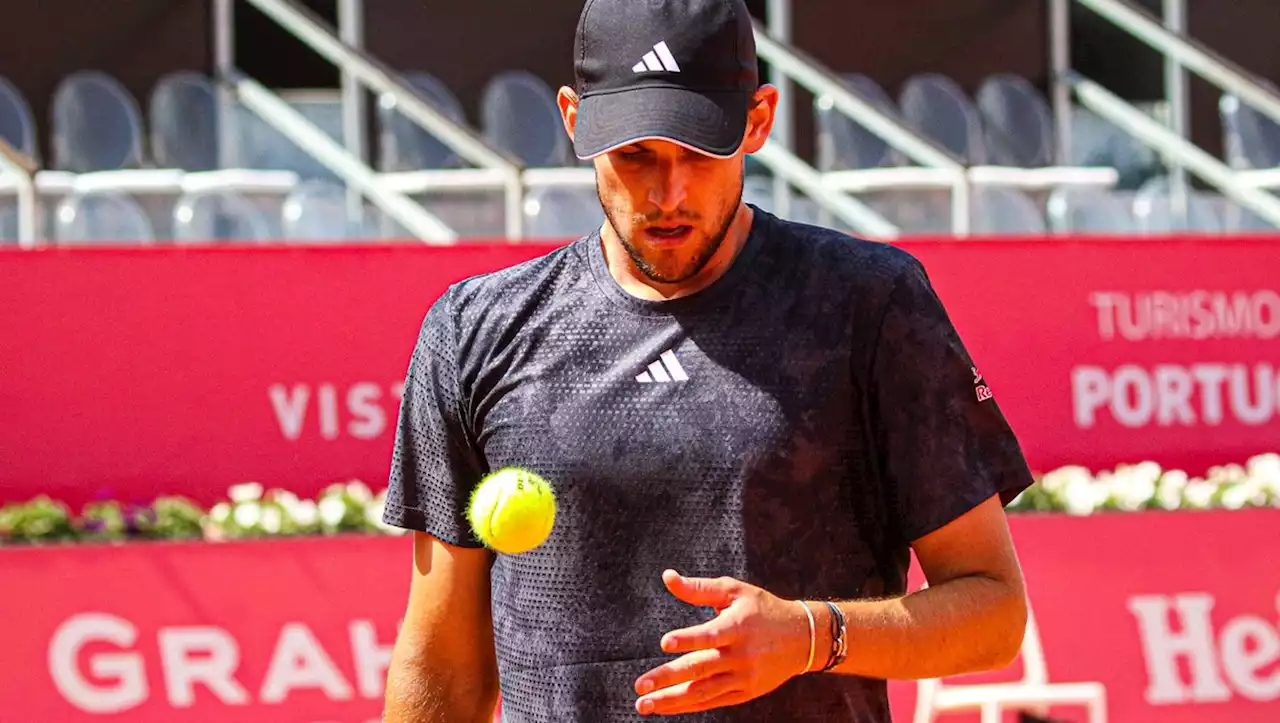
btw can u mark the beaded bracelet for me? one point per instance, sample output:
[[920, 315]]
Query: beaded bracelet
[[839, 643]]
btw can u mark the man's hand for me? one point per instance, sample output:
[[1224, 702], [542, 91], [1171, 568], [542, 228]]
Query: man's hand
[[756, 642]]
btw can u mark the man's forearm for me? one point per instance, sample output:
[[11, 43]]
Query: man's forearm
[[418, 692], [966, 625]]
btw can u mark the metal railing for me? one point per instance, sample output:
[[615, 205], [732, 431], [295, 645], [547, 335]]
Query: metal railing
[[274, 111], [23, 169], [1188, 155], [320, 37], [1180, 52], [810, 74]]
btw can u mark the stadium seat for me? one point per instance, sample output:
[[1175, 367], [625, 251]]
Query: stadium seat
[[1154, 212], [1016, 120], [937, 107], [211, 216], [1005, 211], [96, 124], [561, 212], [317, 211], [8, 224], [404, 145], [101, 217], [256, 144], [17, 126], [1251, 140], [1095, 141], [843, 144], [183, 119], [518, 112], [1076, 211]]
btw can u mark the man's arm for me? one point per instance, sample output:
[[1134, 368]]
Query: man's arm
[[443, 667], [971, 617]]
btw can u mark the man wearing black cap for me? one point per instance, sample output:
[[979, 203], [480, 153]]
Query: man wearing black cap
[[749, 425]]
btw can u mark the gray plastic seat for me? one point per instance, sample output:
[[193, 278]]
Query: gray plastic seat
[[1017, 123], [1095, 141], [1005, 211], [915, 213], [317, 211], [8, 224], [1080, 211], [561, 212], [757, 190], [17, 125], [258, 145], [96, 124], [845, 144], [1250, 139], [184, 122], [1154, 211], [214, 216], [101, 217], [518, 113], [935, 106], [405, 145]]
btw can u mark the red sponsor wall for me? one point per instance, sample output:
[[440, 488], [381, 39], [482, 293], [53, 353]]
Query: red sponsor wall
[[142, 371], [300, 631]]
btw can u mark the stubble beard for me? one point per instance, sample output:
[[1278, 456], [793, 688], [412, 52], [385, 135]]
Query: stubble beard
[[700, 261]]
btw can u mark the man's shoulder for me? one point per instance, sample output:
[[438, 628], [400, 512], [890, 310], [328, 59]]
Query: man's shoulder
[[514, 291], [841, 259]]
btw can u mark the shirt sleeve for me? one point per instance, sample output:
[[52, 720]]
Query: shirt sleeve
[[942, 442], [436, 462]]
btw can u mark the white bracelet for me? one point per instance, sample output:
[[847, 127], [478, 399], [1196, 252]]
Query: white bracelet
[[813, 635]]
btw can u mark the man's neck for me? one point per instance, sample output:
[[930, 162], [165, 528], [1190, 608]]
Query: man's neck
[[623, 268]]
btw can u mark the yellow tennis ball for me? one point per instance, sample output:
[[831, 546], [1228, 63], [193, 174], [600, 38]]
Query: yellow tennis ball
[[512, 510]]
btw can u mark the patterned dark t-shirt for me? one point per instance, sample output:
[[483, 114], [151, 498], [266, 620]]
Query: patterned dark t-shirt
[[795, 425]]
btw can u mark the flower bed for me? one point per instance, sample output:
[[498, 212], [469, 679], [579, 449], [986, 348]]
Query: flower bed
[[252, 511]]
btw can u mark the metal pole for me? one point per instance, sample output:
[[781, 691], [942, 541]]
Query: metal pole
[[351, 31], [779, 24], [1060, 64], [224, 62], [1175, 86]]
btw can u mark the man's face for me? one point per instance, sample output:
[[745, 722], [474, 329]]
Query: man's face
[[670, 206]]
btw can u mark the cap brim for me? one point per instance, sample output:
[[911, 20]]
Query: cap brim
[[710, 123]]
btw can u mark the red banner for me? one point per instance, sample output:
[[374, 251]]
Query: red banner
[[141, 371], [300, 631]]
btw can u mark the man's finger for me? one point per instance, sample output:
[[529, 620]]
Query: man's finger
[[697, 665], [703, 591], [717, 632], [694, 695]]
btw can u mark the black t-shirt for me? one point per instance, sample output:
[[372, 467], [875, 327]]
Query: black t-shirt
[[794, 425]]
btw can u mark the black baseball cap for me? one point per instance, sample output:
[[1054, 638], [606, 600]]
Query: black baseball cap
[[676, 70]]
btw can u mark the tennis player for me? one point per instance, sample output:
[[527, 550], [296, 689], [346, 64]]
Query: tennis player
[[749, 423]]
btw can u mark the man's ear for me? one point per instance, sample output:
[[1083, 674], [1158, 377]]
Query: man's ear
[[567, 99], [760, 114]]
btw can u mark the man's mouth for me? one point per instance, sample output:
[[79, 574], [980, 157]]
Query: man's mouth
[[668, 235]]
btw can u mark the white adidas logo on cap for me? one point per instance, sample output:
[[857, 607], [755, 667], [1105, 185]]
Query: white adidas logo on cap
[[660, 58]]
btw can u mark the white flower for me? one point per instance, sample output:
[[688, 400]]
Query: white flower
[[271, 519], [287, 500], [220, 513], [1199, 494], [305, 513], [331, 511], [359, 492], [1170, 489], [1063, 477], [1080, 497], [248, 514], [247, 492]]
